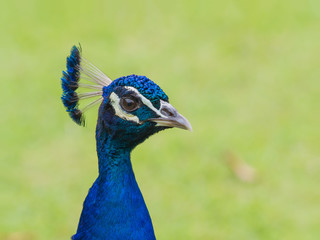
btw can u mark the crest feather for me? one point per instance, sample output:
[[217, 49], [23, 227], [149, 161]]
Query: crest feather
[[79, 69]]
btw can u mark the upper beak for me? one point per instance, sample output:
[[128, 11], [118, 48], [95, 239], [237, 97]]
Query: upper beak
[[170, 117]]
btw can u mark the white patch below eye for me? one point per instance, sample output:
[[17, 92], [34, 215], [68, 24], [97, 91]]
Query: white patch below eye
[[147, 102], [115, 102]]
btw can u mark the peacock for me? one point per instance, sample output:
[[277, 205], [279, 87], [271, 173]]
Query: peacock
[[132, 108]]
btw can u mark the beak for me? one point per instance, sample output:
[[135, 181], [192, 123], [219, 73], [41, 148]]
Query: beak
[[169, 117]]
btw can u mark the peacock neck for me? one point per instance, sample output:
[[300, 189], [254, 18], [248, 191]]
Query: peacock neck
[[114, 207], [113, 160]]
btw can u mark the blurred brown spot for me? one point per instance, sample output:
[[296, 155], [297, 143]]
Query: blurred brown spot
[[242, 170], [19, 236]]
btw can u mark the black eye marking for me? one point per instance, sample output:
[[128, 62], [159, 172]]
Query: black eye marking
[[129, 103]]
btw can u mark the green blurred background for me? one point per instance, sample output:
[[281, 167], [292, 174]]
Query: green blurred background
[[245, 73]]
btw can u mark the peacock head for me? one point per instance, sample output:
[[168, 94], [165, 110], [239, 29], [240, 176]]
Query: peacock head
[[132, 107]]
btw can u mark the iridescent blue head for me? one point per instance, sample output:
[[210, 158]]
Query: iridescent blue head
[[132, 107]]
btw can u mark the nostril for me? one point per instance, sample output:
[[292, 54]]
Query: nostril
[[168, 112]]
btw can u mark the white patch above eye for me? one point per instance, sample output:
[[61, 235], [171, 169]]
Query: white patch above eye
[[115, 103], [147, 102]]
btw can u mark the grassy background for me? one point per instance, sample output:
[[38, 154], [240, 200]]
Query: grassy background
[[245, 73]]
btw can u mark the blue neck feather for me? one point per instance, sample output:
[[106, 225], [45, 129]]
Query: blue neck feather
[[114, 207]]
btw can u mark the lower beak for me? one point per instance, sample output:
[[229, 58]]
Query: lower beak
[[170, 117]]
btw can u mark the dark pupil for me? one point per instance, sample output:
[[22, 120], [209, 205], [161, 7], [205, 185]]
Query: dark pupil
[[129, 104]]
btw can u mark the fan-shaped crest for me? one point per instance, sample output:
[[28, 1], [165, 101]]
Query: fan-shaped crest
[[80, 76]]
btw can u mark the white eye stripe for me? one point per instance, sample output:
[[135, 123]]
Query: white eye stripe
[[115, 103], [146, 101]]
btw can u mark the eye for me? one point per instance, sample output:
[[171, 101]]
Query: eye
[[129, 103]]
